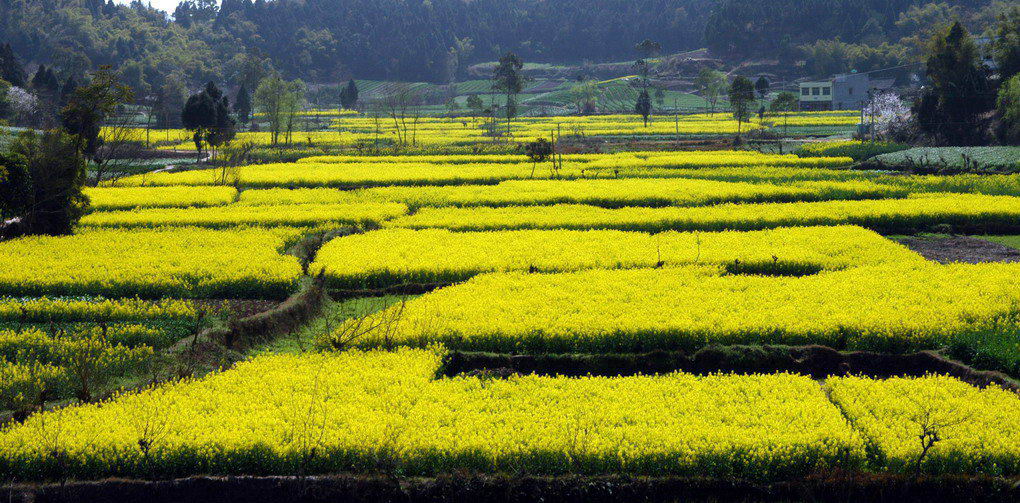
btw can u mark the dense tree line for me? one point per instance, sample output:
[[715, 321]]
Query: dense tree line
[[779, 28], [435, 40], [330, 40]]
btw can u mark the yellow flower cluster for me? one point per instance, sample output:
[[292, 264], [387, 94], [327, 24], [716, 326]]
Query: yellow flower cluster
[[122, 198], [340, 175], [397, 256], [616, 193], [364, 171], [26, 310], [438, 159], [350, 129], [881, 307], [176, 262], [976, 212], [368, 214], [1005, 185], [36, 362], [358, 411], [978, 430], [713, 159]]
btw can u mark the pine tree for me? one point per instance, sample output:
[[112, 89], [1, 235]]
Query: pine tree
[[65, 92], [349, 95], [39, 80], [242, 105], [10, 68]]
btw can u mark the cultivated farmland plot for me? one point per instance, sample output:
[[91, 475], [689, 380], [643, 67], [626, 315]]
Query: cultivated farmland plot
[[637, 313]]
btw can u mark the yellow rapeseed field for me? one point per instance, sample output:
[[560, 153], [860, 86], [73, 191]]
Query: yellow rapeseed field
[[396, 256], [362, 411], [174, 262], [884, 307]]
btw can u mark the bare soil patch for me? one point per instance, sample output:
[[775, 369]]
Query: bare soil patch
[[508, 488], [962, 249]]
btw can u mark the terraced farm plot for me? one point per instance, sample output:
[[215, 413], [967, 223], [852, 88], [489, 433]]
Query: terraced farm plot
[[992, 214], [389, 257], [371, 407], [978, 429], [954, 158], [617, 193], [888, 308], [281, 215], [387, 409], [182, 263], [123, 198]]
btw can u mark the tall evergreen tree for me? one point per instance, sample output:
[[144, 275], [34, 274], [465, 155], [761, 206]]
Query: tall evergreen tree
[[949, 109], [10, 68], [65, 91], [349, 95], [242, 105]]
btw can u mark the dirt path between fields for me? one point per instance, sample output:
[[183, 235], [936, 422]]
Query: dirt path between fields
[[962, 249]]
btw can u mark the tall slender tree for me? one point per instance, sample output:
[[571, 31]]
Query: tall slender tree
[[349, 95], [950, 108], [10, 68], [242, 105], [741, 98], [509, 80], [643, 107], [207, 114]]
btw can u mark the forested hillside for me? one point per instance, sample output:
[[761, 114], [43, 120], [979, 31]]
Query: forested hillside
[[435, 40]]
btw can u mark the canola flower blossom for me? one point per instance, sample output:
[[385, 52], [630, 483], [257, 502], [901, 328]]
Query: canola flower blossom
[[328, 412], [981, 213], [391, 257], [174, 262], [882, 307]]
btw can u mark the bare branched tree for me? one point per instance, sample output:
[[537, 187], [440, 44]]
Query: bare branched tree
[[404, 107]]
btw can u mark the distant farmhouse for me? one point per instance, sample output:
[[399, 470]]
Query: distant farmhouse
[[848, 91]]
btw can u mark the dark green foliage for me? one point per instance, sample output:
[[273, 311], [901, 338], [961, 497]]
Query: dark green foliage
[[643, 106], [88, 107], [508, 79], [538, 150], [208, 115], [1009, 111], [242, 105], [949, 109], [168, 105], [648, 48], [14, 185], [46, 191], [10, 68], [5, 103], [45, 83], [475, 103], [70, 85], [326, 40], [753, 28], [825, 58], [762, 86], [349, 95], [741, 98], [1006, 47]]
